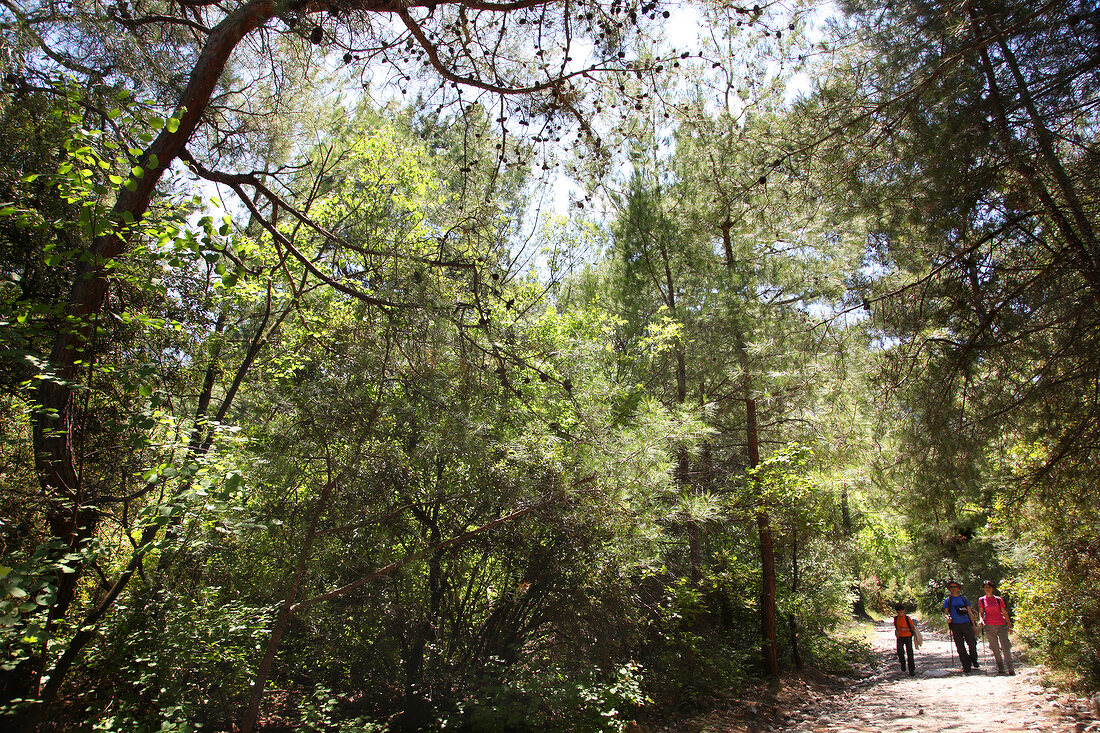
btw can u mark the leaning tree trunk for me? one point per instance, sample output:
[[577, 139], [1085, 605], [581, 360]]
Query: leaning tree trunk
[[56, 433]]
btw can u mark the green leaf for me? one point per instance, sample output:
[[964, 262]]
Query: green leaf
[[173, 124]]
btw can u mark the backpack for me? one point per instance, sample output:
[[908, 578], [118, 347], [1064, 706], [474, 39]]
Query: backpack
[[982, 603], [917, 638], [963, 602], [1000, 602]]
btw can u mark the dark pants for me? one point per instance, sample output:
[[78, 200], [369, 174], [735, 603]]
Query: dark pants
[[963, 634], [905, 647]]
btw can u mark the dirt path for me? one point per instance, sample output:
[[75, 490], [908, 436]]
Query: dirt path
[[938, 699], [941, 699]]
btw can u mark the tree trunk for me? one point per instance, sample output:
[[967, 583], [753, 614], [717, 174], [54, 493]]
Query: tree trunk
[[55, 420], [767, 566], [767, 550], [792, 621], [859, 605], [286, 610], [727, 244], [56, 429], [417, 713], [200, 442], [683, 460], [695, 552], [291, 608]]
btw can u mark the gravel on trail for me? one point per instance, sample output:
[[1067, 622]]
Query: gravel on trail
[[938, 699]]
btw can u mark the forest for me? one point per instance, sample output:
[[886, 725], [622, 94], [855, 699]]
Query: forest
[[533, 365]]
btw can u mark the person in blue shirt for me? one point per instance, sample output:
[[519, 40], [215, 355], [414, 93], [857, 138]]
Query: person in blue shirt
[[959, 615]]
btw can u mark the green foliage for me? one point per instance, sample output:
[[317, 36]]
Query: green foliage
[[841, 651], [1050, 595], [176, 660], [553, 700], [320, 713], [28, 586], [171, 720], [352, 381]]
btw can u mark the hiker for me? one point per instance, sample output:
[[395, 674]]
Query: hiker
[[995, 620], [906, 632], [960, 619]]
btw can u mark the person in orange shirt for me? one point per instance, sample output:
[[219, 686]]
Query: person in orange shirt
[[904, 630]]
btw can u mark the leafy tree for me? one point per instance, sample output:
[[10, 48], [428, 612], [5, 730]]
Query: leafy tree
[[980, 124], [54, 214], [187, 62], [188, 58], [709, 307]]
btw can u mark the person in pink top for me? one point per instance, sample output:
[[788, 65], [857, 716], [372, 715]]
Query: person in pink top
[[996, 621]]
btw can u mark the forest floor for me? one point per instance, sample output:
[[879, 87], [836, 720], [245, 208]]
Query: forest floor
[[938, 699]]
